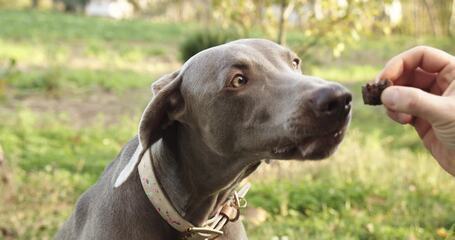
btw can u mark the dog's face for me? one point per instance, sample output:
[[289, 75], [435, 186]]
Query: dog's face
[[249, 99]]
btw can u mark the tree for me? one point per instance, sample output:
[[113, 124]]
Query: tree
[[331, 23], [452, 20], [35, 3], [286, 7]]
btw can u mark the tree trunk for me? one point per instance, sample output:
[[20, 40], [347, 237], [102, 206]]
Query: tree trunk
[[431, 17], [452, 20], [281, 23], [35, 4], [286, 8], [180, 10]]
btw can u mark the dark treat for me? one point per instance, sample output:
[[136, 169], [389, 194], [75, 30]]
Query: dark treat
[[371, 92]]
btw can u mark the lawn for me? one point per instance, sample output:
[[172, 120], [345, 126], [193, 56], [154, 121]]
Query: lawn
[[71, 92]]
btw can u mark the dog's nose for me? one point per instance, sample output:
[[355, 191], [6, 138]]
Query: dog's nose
[[331, 100]]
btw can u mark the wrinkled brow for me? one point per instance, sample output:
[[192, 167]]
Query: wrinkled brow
[[241, 65]]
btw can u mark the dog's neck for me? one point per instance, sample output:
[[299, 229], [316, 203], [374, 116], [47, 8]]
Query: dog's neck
[[196, 180]]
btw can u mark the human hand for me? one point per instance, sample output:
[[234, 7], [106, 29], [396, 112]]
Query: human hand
[[423, 95]]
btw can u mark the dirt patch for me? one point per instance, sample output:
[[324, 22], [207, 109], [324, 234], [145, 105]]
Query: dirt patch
[[83, 109]]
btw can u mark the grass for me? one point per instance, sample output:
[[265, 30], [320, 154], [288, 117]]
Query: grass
[[58, 79], [365, 191], [381, 184], [94, 35], [37, 142]]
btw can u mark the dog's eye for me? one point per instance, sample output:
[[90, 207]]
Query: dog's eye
[[295, 63], [238, 81]]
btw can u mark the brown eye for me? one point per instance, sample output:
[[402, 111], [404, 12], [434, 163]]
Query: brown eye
[[238, 81], [295, 63]]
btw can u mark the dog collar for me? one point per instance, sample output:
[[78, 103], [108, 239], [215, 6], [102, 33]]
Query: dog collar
[[211, 229]]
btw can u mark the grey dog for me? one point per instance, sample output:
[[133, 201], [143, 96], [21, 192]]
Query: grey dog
[[209, 125]]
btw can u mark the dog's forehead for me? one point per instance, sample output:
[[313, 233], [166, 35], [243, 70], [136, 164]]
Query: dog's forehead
[[254, 49], [257, 50], [260, 45]]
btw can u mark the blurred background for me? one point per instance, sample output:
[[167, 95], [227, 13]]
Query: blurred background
[[75, 76]]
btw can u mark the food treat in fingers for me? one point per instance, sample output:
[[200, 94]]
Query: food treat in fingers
[[371, 92]]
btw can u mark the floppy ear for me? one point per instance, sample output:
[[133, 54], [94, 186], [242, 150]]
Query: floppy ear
[[164, 102], [154, 119]]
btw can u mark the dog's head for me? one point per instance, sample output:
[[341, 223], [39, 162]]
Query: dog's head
[[248, 99]]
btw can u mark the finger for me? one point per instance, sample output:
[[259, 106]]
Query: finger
[[446, 76], [393, 71], [436, 90], [401, 118], [394, 116], [450, 91], [428, 59], [415, 102], [421, 79]]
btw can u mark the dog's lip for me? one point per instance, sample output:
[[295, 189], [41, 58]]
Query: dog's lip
[[291, 149], [300, 148]]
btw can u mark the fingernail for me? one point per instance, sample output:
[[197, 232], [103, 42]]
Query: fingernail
[[389, 97]]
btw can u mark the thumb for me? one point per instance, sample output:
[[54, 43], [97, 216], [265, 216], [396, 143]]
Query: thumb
[[415, 102]]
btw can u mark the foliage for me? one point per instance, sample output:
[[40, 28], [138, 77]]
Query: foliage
[[328, 23], [238, 15], [202, 40], [426, 17], [14, 4]]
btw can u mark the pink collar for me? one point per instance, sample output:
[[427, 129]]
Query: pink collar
[[211, 229]]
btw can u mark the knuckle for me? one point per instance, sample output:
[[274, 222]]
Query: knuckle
[[444, 81], [446, 77], [422, 48]]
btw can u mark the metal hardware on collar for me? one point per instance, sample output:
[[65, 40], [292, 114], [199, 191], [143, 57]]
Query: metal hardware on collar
[[211, 229], [202, 233], [242, 203], [230, 212]]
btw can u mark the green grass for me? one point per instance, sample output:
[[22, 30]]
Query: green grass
[[33, 37], [55, 52], [365, 191], [52, 163], [60, 79], [50, 141], [381, 183], [45, 27], [401, 193], [50, 28]]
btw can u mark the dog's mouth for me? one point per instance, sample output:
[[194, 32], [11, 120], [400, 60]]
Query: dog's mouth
[[313, 147]]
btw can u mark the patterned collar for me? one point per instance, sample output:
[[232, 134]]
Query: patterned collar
[[211, 229]]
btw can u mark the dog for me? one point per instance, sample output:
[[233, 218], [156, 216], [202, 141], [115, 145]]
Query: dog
[[208, 126]]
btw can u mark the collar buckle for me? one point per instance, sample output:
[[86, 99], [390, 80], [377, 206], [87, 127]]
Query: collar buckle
[[202, 233]]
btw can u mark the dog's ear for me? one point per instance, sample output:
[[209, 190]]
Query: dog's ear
[[160, 112], [157, 116]]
